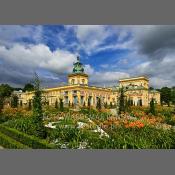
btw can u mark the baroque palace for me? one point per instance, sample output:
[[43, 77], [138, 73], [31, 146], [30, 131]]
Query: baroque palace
[[78, 92]]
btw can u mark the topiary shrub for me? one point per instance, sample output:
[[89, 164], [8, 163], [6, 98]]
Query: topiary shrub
[[10, 143], [28, 140]]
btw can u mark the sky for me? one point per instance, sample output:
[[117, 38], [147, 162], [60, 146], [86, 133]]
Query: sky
[[109, 53]]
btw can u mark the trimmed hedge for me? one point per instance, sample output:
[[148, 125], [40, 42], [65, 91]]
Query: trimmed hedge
[[28, 140], [10, 143]]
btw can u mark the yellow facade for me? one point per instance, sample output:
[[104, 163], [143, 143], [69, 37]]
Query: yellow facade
[[77, 92]]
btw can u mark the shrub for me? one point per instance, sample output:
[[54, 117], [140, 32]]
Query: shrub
[[14, 101], [137, 138], [13, 113], [28, 140], [121, 101], [9, 143], [61, 105], [30, 105], [23, 124], [72, 137], [56, 104], [152, 107]]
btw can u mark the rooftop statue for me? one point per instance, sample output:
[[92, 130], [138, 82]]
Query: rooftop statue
[[78, 66]]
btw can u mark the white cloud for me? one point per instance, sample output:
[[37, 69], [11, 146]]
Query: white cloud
[[161, 72], [19, 63], [38, 56], [15, 33], [91, 36], [88, 69], [107, 78]]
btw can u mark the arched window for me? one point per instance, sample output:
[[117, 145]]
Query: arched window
[[72, 81], [83, 81]]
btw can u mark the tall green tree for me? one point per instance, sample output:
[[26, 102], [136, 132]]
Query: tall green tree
[[121, 101], [69, 104], [61, 105], [29, 105], [126, 105], [152, 107], [165, 95], [5, 91], [56, 104], [14, 101], [151, 88], [1, 103], [173, 95], [111, 105], [39, 129], [28, 87], [20, 103]]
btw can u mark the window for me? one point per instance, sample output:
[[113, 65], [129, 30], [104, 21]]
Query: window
[[72, 81], [65, 92], [83, 81], [66, 99], [75, 99]]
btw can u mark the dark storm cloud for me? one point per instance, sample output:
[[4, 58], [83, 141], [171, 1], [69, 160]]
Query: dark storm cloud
[[156, 41]]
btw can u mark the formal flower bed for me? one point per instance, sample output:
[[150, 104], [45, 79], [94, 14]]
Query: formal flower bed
[[90, 128], [14, 113]]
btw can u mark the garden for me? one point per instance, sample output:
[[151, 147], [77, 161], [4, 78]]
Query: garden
[[58, 127]]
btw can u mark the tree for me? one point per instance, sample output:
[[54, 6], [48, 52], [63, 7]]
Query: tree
[[126, 105], [121, 101], [14, 101], [61, 105], [30, 105], [5, 91], [29, 87], [1, 103], [89, 102], [21, 103], [56, 104], [98, 104], [111, 105], [173, 95], [39, 129], [69, 104], [151, 88], [152, 107], [165, 94], [72, 104]]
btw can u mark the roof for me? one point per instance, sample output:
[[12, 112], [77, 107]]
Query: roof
[[73, 86], [134, 78], [75, 74], [154, 91]]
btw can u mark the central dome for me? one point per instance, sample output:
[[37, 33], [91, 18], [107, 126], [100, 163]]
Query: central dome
[[78, 66]]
